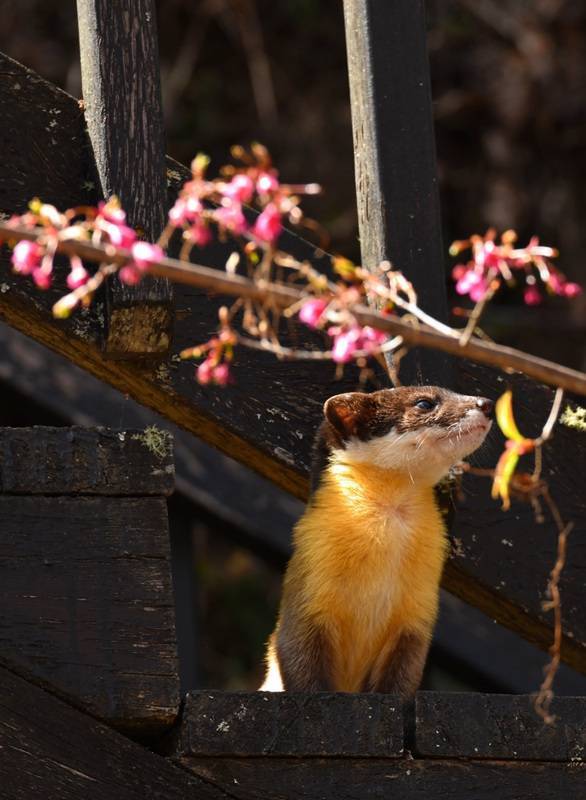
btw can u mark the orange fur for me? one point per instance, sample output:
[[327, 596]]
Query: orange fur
[[369, 553]]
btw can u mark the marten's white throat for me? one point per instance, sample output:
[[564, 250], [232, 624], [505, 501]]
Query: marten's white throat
[[361, 591]]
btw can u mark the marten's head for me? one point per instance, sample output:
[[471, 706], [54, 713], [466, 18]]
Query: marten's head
[[420, 430]]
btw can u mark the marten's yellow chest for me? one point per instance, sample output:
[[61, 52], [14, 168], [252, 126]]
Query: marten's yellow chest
[[369, 552]]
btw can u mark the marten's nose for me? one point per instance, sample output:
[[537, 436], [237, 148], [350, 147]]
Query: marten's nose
[[486, 406]]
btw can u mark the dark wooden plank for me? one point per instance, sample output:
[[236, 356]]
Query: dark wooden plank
[[510, 555], [87, 605], [50, 750], [69, 461], [370, 779], [394, 155], [282, 724], [498, 726], [124, 114], [268, 418]]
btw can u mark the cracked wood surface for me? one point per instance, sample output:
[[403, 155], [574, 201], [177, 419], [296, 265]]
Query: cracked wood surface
[[498, 562]]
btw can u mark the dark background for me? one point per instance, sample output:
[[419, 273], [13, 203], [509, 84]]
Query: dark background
[[509, 83]]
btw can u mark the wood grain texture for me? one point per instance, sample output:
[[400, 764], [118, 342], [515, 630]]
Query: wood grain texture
[[268, 418], [124, 115], [394, 155], [282, 724], [373, 779], [69, 461], [494, 726], [87, 606], [50, 750]]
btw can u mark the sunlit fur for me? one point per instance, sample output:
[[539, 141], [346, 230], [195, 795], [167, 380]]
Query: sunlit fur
[[370, 548]]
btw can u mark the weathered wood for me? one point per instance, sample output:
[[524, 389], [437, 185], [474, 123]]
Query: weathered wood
[[370, 779], [87, 605], [124, 114], [281, 724], [50, 750], [494, 726], [394, 154], [69, 461], [268, 418]]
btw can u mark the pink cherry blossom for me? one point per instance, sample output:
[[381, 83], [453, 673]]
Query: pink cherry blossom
[[204, 372], [311, 311], [178, 213], [572, 289], [26, 257], [472, 283], [221, 374], [120, 235], [231, 218], [144, 253], [129, 275], [78, 276], [267, 183], [346, 343], [268, 224], [372, 339], [200, 234], [240, 188], [42, 276], [532, 296]]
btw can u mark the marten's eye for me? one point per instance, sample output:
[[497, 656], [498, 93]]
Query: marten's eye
[[425, 404]]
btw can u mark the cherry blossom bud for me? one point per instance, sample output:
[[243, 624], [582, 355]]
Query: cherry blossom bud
[[204, 372], [144, 253], [63, 308], [231, 218], [120, 235], [200, 234], [177, 214], [129, 275], [267, 183], [240, 188], [221, 374], [572, 289], [311, 311], [78, 276], [26, 257], [346, 343], [268, 224], [532, 296]]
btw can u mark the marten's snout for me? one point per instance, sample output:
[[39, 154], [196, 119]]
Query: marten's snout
[[486, 406]]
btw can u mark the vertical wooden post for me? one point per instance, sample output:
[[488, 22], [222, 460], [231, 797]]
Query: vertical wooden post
[[123, 109], [394, 154]]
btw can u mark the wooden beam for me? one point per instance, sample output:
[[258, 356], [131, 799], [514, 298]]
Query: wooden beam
[[88, 603], [289, 724], [394, 154], [86, 461], [124, 115], [369, 778], [498, 726], [48, 749]]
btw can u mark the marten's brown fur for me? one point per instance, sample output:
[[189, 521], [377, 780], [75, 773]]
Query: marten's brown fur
[[361, 590]]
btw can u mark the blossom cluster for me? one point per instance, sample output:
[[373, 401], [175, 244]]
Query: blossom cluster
[[103, 225], [493, 261], [203, 203]]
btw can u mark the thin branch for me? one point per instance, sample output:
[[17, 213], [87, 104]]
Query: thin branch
[[281, 296]]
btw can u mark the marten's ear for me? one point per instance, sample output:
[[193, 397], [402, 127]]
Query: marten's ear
[[348, 412]]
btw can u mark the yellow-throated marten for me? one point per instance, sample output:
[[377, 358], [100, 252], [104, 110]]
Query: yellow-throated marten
[[360, 594]]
